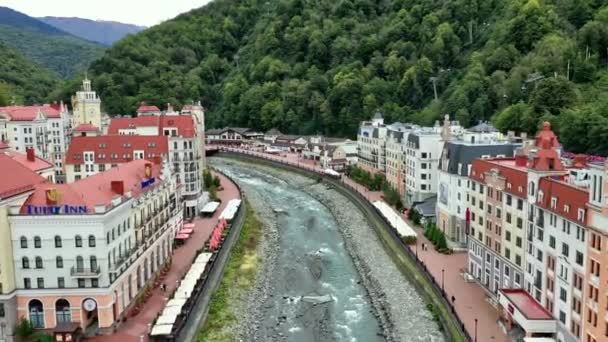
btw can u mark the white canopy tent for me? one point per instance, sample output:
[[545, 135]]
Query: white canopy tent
[[161, 329], [210, 207], [403, 229], [231, 209]]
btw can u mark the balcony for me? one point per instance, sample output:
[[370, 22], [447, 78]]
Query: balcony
[[540, 221], [85, 272]]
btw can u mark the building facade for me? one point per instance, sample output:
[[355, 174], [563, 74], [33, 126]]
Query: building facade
[[186, 149], [83, 251], [45, 128], [91, 155], [371, 144]]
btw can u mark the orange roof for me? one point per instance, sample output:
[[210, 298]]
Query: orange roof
[[16, 178], [29, 113], [115, 149], [86, 128], [96, 190], [37, 164], [184, 124]]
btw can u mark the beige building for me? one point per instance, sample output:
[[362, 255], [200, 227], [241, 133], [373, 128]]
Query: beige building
[[86, 106]]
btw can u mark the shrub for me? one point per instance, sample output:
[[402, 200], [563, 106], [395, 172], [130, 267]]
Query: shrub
[[24, 328], [409, 240]]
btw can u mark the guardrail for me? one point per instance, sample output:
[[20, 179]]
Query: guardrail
[[389, 237]]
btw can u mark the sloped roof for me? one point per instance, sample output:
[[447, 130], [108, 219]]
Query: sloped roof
[[111, 149], [16, 178], [29, 113], [483, 127], [96, 189], [274, 131], [184, 124], [86, 128], [38, 164], [145, 108], [426, 208]]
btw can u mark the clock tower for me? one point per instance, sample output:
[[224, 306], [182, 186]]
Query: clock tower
[[87, 106]]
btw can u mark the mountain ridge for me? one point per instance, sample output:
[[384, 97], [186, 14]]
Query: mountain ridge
[[105, 32]]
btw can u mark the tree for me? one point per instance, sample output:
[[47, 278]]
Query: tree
[[553, 94]]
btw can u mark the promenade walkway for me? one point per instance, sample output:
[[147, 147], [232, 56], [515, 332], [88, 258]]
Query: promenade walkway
[[470, 298], [136, 329]]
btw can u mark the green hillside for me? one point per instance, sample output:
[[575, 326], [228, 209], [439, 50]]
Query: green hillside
[[312, 66], [46, 45], [22, 81]]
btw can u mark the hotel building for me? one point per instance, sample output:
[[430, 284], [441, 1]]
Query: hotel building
[[371, 144], [16, 185], [83, 251]]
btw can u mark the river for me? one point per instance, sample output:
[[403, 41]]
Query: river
[[316, 292]]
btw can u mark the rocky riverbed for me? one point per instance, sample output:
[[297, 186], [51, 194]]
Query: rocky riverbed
[[355, 292]]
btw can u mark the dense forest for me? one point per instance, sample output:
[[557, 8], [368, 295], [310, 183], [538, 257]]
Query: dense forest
[[311, 66], [22, 81]]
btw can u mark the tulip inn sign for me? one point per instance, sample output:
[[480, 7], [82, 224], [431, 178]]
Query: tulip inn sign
[[56, 209]]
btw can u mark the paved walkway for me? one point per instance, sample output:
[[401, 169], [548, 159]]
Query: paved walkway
[[136, 328], [470, 299]]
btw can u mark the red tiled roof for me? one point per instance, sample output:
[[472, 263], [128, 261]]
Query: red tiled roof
[[145, 108], [526, 304], [184, 124], [29, 113], [16, 178], [37, 165], [86, 127], [517, 176], [105, 146], [566, 194], [96, 189]]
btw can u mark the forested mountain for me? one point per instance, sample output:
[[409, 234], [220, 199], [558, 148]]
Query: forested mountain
[[46, 45], [312, 66], [103, 32], [22, 81]]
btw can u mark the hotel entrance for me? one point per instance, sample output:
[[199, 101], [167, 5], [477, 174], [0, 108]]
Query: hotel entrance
[[89, 317]]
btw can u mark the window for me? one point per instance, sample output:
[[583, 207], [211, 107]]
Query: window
[[108, 238], [81, 283], [102, 167], [520, 204], [62, 311], [38, 262], [94, 283], [36, 311], [77, 168], [57, 241], [563, 294], [518, 241], [78, 241], [60, 282], [565, 249], [27, 283], [519, 222], [579, 258], [552, 241], [59, 262], [23, 242], [37, 242], [40, 282], [91, 241], [25, 262]]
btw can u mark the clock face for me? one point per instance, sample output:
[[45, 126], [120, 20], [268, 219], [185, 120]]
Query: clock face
[[89, 304]]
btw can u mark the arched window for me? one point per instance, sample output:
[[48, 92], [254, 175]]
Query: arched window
[[25, 262], [78, 241], [62, 311], [93, 263], [36, 311], [59, 262], [79, 264], [37, 242], [57, 241], [23, 242], [91, 241], [38, 262]]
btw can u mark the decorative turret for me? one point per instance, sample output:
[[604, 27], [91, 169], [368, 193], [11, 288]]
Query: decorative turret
[[547, 157]]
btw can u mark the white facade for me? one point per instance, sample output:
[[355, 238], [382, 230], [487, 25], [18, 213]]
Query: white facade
[[423, 150], [371, 142]]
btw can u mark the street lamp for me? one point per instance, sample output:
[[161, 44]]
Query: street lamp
[[475, 330], [442, 272]]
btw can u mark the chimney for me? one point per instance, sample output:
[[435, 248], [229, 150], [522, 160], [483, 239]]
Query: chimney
[[521, 160], [580, 161], [30, 154], [118, 187]]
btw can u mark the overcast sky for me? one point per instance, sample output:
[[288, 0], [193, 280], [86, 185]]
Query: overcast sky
[[139, 12]]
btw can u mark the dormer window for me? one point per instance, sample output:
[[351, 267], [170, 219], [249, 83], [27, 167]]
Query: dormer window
[[566, 208], [531, 188], [581, 215], [553, 202], [540, 195]]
